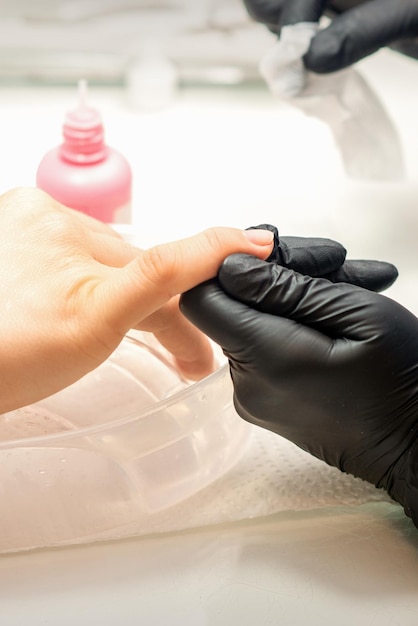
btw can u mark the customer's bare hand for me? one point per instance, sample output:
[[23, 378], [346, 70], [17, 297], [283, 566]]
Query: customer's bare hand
[[71, 288]]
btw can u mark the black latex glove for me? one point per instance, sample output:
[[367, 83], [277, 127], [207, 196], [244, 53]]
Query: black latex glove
[[331, 367], [317, 256], [358, 28]]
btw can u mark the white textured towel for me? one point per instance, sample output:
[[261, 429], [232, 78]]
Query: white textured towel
[[273, 476]]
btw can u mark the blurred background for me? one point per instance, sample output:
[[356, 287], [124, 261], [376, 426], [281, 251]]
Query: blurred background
[[178, 87], [57, 40]]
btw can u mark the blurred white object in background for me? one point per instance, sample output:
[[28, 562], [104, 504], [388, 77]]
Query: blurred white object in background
[[151, 79]]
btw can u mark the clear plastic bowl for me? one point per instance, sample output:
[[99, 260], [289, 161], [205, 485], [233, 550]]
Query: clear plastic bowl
[[130, 439]]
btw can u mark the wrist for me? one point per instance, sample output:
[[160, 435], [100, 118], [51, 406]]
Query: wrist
[[403, 483]]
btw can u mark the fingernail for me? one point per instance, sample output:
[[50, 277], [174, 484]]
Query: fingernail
[[259, 236]]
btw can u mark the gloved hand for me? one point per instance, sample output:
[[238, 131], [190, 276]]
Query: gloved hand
[[358, 28], [319, 257], [331, 367]]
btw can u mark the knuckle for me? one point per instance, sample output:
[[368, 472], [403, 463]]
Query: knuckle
[[213, 239], [159, 264], [24, 195]]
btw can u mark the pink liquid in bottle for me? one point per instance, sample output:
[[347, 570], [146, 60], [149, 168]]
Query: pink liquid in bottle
[[83, 172]]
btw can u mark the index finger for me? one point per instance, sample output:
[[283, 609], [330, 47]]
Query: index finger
[[154, 276], [361, 31], [296, 11]]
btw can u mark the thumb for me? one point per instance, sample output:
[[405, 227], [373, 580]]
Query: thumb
[[256, 306], [248, 335], [360, 31], [155, 275]]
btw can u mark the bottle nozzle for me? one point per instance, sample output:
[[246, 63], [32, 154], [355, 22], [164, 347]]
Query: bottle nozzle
[[83, 116], [82, 93], [83, 130]]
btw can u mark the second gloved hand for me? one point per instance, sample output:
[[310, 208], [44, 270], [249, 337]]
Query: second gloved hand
[[331, 367], [358, 27]]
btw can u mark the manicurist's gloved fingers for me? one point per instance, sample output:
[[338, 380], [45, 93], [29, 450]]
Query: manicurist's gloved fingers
[[315, 256], [358, 27], [277, 13], [253, 302], [239, 328], [373, 275], [360, 31], [331, 308], [265, 11], [296, 11], [326, 258]]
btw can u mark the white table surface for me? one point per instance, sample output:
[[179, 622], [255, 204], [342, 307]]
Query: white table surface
[[234, 157]]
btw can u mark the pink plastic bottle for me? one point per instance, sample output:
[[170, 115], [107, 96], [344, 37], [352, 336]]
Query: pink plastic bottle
[[83, 172]]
